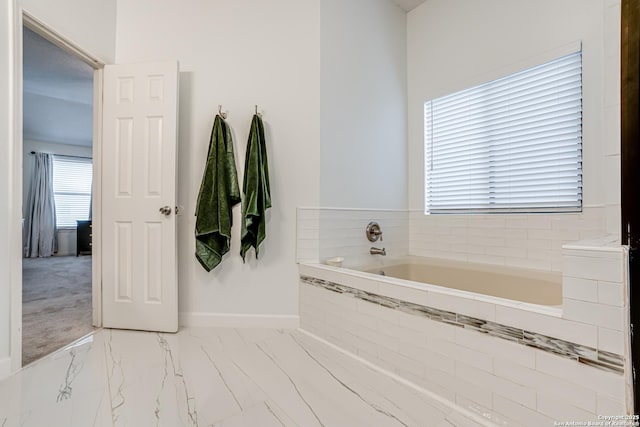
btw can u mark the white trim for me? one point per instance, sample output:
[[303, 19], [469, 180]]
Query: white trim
[[23, 18], [15, 191], [40, 28], [96, 208], [225, 320], [5, 367]]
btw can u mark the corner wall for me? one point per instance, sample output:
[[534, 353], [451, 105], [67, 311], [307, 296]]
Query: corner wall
[[454, 44], [363, 101], [238, 53]]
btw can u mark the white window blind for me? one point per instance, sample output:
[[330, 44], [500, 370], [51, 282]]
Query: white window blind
[[72, 177], [510, 145]]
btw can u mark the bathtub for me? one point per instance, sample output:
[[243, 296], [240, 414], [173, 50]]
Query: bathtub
[[529, 286], [465, 288], [473, 334]]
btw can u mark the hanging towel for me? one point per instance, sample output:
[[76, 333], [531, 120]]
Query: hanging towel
[[256, 190], [219, 192]]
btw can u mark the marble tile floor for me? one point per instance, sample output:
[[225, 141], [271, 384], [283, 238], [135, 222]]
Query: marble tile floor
[[212, 377]]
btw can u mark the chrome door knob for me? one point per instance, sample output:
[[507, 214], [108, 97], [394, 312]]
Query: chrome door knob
[[165, 210]]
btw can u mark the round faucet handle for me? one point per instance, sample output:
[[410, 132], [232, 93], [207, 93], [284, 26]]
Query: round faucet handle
[[373, 231]]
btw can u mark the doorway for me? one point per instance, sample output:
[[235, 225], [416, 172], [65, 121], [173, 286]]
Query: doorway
[[60, 84]]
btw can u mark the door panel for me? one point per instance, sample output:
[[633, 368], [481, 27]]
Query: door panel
[[139, 178]]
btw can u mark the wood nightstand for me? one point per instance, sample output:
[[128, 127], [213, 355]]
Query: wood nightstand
[[83, 237]]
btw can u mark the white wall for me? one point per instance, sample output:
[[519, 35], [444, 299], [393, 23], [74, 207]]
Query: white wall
[[238, 53], [53, 119], [454, 44], [90, 25], [363, 152]]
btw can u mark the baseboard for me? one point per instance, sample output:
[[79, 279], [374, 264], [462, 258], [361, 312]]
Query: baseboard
[[5, 367], [225, 320]]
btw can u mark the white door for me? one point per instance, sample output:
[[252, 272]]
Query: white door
[[139, 271]]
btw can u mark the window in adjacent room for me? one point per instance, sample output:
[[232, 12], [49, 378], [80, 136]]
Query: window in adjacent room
[[510, 145], [72, 177]]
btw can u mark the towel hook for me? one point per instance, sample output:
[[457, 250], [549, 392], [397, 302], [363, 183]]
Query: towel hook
[[221, 113], [256, 110]]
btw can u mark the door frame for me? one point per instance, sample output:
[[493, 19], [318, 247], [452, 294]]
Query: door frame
[[23, 18]]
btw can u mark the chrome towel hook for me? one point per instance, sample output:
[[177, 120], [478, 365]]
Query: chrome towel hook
[[221, 113]]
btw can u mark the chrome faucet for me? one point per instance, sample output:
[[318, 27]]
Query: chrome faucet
[[378, 251]]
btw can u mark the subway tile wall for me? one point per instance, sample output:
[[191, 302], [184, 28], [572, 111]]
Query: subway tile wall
[[528, 241], [308, 235], [595, 292], [326, 233], [517, 385]]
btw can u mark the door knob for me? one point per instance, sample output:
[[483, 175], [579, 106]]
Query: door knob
[[165, 210]]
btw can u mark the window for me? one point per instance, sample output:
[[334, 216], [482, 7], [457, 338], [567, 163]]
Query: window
[[72, 189], [510, 145]]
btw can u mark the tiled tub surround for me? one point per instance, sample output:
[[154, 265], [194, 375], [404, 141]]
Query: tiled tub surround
[[532, 241], [330, 232], [526, 241], [583, 354], [516, 363]]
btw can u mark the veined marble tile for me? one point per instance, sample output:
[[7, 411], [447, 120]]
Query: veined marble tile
[[146, 380], [220, 388], [262, 414], [211, 377], [406, 404], [331, 399], [68, 388], [176, 379]]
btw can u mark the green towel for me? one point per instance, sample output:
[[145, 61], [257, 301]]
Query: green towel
[[219, 192], [256, 190]]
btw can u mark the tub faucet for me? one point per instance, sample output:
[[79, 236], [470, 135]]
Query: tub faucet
[[378, 251]]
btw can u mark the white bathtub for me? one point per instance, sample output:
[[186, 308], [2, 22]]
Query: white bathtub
[[530, 286]]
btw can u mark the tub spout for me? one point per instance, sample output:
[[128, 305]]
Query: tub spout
[[378, 251]]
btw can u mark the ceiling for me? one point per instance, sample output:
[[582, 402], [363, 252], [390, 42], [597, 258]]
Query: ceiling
[[58, 94], [408, 5]]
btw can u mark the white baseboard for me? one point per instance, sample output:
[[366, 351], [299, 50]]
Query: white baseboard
[[5, 367], [224, 320]]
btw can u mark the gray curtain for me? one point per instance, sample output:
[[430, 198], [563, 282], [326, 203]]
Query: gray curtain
[[40, 222]]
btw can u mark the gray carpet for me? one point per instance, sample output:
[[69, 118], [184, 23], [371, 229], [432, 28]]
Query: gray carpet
[[56, 303]]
